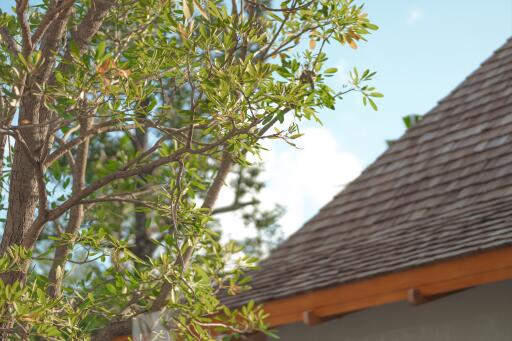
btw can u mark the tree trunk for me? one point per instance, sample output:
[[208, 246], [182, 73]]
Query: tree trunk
[[23, 191], [23, 196], [22, 204], [76, 213], [143, 245]]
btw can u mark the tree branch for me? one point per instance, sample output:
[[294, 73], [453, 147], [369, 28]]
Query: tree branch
[[50, 15], [107, 127], [98, 129], [126, 196], [76, 215], [75, 199], [124, 327], [121, 328], [91, 23], [11, 44], [21, 9], [116, 199], [210, 199], [235, 206], [34, 230]]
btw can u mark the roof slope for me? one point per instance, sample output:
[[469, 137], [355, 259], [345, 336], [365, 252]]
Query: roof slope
[[443, 190]]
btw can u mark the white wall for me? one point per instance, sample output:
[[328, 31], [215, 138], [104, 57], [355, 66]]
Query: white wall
[[478, 314]]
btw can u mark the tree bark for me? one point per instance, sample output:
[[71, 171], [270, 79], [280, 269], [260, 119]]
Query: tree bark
[[23, 182], [76, 213], [29, 148], [143, 245], [23, 186]]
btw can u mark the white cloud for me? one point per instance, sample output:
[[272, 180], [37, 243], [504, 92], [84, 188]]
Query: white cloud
[[414, 16], [342, 74], [302, 180]]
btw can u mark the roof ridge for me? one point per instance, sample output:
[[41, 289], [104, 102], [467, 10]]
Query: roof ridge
[[419, 162], [503, 47]]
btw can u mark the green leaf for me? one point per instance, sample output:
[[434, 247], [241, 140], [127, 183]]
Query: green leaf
[[186, 9], [372, 103], [59, 77], [370, 26], [100, 50], [74, 49], [111, 288]]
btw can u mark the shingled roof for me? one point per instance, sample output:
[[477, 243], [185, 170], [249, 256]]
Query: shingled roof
[[443, 190]]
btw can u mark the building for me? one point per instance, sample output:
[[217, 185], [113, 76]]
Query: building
[[419, 246]]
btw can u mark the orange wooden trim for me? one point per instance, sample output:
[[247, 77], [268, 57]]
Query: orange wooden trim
[[431, 280], [311, 319], [415, 297]]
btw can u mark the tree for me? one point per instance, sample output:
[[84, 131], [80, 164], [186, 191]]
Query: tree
[[120, 122]]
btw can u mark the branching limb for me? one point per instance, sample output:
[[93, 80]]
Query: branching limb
[[34, 231], [122, 197], [211, 198], [107, 127], [21, 13], [50, 15], [270, 9], [99, 129], [234, 207], [91, 23], [116, 199], [9, 41], [76, 215]]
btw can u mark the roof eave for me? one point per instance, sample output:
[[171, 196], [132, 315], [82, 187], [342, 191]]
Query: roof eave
[[429, 281]]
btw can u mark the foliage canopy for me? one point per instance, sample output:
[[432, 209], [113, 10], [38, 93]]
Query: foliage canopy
[[120, 121]]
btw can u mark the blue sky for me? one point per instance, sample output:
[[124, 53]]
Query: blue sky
[[422, 51]]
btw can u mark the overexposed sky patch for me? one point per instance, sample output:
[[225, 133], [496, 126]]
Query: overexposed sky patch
[[341, 76], [300, 179], [414, 15]]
